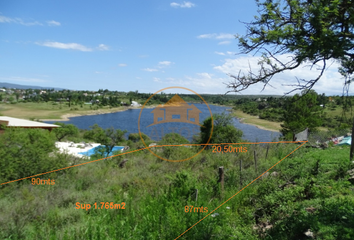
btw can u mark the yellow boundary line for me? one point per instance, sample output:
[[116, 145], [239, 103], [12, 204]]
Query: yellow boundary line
[[137, 151], [303, 143], [242, 189]]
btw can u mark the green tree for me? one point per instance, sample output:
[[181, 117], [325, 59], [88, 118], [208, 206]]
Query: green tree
[[174, 151], [25, 152], [96, 134], [223, 130], [173, 138], [65, 130], [17, 94], [301, 112], [109, 137], [309, 31], [135, 137]]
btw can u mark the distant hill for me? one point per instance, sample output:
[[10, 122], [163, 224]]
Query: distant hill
[[18, 86]]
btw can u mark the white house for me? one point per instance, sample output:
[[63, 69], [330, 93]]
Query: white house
[[135, 104]]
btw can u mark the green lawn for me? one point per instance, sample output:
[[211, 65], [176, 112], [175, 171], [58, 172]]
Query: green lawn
[[50, 110], [254, 120]]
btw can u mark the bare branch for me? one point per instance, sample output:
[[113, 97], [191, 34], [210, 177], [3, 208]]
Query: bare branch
[[242, 82], [309, 83], [296, 28]]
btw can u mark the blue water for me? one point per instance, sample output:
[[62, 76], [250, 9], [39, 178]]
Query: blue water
[[128, 120], [92, 150]]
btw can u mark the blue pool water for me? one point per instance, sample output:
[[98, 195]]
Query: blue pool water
[[92, 150]]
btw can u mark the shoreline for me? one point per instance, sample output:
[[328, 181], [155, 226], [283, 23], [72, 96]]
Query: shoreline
[[66, 117], [258, 126], [262, 124]]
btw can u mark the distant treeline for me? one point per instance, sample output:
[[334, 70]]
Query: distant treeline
[[300, 111], [113, 98]]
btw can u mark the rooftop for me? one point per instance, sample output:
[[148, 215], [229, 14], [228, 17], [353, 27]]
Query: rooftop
[[17, 122]]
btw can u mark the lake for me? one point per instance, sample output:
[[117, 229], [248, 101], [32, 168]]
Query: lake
[[128, 120]]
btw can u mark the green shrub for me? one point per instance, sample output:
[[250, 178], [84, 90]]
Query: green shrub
[[135, 137], [25, 152]]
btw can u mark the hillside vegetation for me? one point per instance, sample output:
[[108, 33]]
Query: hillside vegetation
[[308, 192]]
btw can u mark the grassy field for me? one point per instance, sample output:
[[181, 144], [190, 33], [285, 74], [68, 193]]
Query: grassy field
[[275, 126], [51, 111], [254, 120], [309, 191], [338, 111]]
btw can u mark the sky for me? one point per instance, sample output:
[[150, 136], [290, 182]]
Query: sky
[[129, 45]]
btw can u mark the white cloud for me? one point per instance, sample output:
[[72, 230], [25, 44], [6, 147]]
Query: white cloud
[[187, 5], [122, 65], [209, 35], [217, 36], [4, 19], [174, 4], [165, 63], [150, 69], [232, 66], [224, 42], [226, 53], [203, 82], [159, 67], [182, 5], [206, 82], [20, 21], [73, 46], [225, 36], [330, 83], [23, 79], [53, 23], [220, 53], [103, 47], [205, 75]]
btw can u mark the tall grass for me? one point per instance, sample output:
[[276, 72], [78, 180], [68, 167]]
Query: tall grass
[[155, 194]]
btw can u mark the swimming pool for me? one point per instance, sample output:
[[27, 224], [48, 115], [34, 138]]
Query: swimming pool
[[93, 150]]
